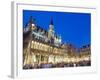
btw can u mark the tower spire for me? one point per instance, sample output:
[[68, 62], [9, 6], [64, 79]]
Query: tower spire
[[51, 21], [31, 20], [32, 23]]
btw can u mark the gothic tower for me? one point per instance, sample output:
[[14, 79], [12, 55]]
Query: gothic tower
[[32, 23], [51, 32]]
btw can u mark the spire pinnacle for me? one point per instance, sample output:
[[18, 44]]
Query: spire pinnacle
[[51, 22], [31, 20]]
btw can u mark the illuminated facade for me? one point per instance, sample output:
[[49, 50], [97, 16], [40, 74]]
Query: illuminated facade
[[45, 47], [85, 53]]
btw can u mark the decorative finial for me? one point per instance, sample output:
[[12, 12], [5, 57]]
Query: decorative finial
[[32, 20], [51, 21]]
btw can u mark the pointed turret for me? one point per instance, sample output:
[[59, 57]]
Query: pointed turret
[[32, 20], [51, 26], [51, 23], [32, 23], [51, 31]]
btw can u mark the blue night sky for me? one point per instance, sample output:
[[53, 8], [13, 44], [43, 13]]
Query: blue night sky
[[75, 28]]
